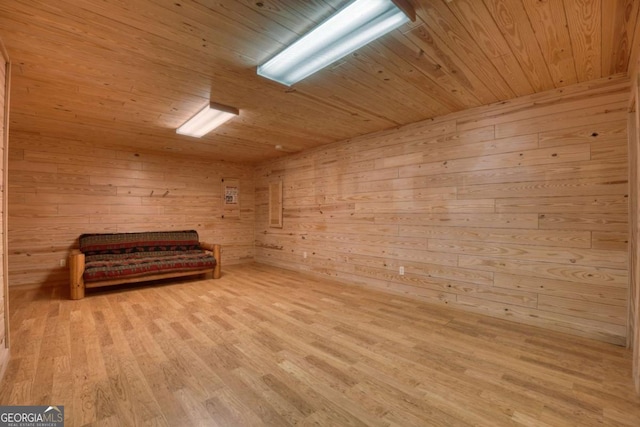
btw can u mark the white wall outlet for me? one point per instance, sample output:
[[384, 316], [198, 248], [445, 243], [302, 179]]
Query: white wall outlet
[[401, 270], [63, 262], [304, 254]]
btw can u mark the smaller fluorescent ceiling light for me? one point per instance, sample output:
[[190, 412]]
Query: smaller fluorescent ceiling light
[[352, 27], [207, 119]]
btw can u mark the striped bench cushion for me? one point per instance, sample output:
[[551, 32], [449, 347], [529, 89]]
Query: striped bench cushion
[[123, 255], [119, 267]]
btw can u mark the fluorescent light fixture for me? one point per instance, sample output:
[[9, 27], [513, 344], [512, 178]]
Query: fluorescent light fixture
[[207, 119], [357, 24]]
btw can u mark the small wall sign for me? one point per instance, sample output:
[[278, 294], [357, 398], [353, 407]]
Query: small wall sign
[[230, 198]]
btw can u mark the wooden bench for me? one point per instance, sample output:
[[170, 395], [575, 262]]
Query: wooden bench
[[117, 258]]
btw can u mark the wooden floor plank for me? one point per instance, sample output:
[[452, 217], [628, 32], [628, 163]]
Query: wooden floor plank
[[271, 347]]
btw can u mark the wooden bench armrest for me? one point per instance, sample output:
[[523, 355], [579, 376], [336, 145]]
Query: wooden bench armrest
[[217, 254], [76, 271]]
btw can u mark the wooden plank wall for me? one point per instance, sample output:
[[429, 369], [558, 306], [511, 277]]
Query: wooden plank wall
[[517, 210], [60, 189], [634, 218], [5, 73]]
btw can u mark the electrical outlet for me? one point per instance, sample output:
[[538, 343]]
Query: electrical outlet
[[304, 254], [63, 262], [401, 270]]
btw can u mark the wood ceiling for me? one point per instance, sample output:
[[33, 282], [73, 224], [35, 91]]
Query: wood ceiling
[[129, 72]]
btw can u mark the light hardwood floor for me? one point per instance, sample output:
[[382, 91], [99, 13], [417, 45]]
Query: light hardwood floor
[[265, 346]]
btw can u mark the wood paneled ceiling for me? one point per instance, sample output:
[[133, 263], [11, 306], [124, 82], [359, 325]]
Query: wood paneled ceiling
[[129, 72]]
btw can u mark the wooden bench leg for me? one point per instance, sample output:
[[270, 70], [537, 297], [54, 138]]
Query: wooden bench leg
[[217, 254]]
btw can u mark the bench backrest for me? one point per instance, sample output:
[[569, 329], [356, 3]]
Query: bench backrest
[[152, 241]]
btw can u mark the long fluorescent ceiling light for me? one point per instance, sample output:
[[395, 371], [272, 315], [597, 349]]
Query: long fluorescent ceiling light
[[207, 119], [349, 29]]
